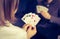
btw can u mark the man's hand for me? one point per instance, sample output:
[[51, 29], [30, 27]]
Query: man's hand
[[43, 11], [45, 15]]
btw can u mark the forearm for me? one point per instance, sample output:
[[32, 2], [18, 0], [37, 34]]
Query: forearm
[[54, 19]]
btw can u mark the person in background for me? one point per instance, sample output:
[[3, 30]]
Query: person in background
[[8, 8], [49, 26]]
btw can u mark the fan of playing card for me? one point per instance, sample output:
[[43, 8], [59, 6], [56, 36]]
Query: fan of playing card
[[41, 8], [31, 19]]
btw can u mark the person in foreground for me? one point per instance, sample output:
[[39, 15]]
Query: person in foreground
[[8, 8]]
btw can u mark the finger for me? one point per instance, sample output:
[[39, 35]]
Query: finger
[[25, 26], [29, 29], [33, 28]]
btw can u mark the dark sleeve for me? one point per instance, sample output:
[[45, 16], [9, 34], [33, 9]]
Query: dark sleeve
[[56, 19]]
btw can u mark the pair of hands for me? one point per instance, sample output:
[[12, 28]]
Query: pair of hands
[[31, 31]]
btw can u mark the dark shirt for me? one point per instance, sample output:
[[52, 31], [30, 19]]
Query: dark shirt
[[54, 11]]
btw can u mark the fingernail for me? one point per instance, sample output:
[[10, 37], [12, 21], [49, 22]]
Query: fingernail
[[32, 28], [28, 28]]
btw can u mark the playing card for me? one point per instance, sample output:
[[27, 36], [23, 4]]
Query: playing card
[[25, 18], [31, 18], [41, 8]]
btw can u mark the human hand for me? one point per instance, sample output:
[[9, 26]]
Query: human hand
[[43, 11], [45, 15], [31, 31], [40, 8]]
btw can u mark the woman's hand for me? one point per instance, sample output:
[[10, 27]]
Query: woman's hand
[[31, 31]]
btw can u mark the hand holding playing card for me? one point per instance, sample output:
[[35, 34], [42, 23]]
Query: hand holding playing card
[[43, 11], [31, 31], [41, 8], [31, 19]]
